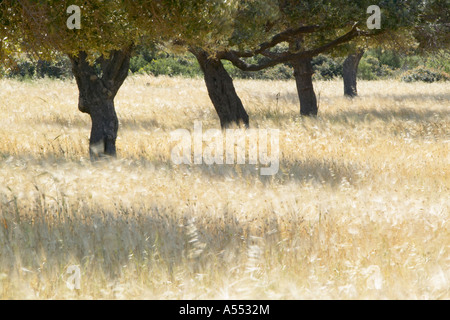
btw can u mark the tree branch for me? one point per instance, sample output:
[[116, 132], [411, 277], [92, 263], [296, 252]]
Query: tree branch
[[274, 59], [241, 64], [355, 32], [277, 39]]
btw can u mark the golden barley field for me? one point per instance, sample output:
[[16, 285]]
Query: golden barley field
[[358, 210]]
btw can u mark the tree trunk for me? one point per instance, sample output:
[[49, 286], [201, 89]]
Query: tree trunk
[[98, 86], [303, 73], [350, 72], [221, 90]]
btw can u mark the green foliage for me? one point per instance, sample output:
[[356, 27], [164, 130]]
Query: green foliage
[[58, 69], [383, 64], [27, 69], [326, 67], [434, 27], [389, 58], [204, 23], [138, 63], [252, 22], [371, 69], [376, 64], [439, 60], [156, 62], [380, 64], [39, 28], [24, 69], [279, 72], [172, 66], [425, 74]]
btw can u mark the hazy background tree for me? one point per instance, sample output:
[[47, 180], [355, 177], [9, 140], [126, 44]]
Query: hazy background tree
[[350, 73], [416, 26]]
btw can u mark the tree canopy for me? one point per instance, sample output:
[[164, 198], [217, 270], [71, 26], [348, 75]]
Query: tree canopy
[[241, 28], [40, 27]]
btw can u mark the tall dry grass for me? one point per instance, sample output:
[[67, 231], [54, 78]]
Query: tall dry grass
[[359, 208]]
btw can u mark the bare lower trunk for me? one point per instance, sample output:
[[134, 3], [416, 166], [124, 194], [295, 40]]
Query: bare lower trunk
[[221, 90], [350, 73], [303, 73], [96, 97], [105, 126]]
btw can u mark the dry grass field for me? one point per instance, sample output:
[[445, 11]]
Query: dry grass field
[[358, 210]]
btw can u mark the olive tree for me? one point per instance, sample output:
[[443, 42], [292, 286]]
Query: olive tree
[[203, 28], [98, 38], [308, 28]]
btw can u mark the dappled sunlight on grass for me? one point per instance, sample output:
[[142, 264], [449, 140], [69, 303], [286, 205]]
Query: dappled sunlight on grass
[[358, 209]]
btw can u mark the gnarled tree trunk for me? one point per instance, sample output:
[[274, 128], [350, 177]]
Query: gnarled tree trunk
[[303, 72], [221, 90], [97, 90], [350, 73]]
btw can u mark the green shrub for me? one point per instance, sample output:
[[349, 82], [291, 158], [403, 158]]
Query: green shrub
[[279, 72], [174, 66], [165, 64], [440, 61], [389, 58], [367, 68], [24, 69], [60, 69], [137, 63], [370, 68], [376, 64], [327, 68], [425, 74], [30, 69]]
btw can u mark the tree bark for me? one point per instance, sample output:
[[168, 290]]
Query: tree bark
[[98, 85], [350, 73], [303, 73], [221, 90]]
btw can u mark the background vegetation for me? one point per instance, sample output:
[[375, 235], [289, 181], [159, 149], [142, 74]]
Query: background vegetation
[[377, 64]]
